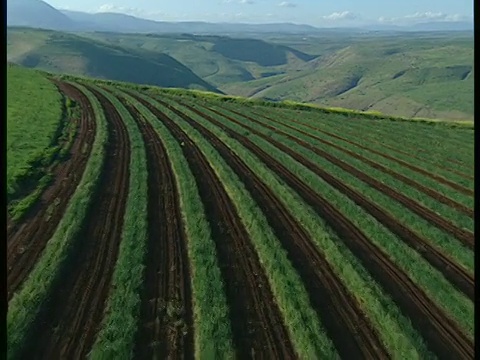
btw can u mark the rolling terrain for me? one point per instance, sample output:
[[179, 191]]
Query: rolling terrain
[[68, 53], [427, 75], [186, 224]]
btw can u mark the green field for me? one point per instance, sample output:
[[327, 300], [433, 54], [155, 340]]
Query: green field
[[207, 226]]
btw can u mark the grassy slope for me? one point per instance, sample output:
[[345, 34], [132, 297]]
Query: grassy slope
[[401, 76], [34, 113], [67, 53]]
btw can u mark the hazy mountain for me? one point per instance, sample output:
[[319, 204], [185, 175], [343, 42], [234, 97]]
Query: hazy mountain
[[37, 14]]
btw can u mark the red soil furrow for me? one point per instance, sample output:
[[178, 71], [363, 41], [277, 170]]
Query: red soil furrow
[[350, 330], [257, 324], [26, 242], [443, 335], [394, 149], [163, 333], [67, 327], [426, 190], [463, 235], [453, 272]]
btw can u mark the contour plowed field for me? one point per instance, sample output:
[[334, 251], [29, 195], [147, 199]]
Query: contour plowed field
[[76, 309], [347, 326], [256, 321], [26, 242], [217, 233], [164, 333], [452, 271], [465, 236]]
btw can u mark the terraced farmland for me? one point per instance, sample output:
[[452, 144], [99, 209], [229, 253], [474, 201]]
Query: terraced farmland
[[185, 225]]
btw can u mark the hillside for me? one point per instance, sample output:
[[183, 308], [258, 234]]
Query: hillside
[[426, 76], [67, 53], [37, 14], [182, 223]]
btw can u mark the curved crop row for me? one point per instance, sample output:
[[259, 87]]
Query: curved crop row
[[212, 335], [25, 305], [255, 318], [452, 271], [443, 223], [119, 324], [351, 271], [440, 322], [86, 284], [440, 151], [286, 284]]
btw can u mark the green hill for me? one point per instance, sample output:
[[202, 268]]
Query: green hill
[[408, 76], [67, 53]]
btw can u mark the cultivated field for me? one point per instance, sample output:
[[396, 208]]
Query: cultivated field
[[186, 225]]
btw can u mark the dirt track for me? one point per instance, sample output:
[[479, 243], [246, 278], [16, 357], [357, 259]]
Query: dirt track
[[464, 236], [442, 334], [68, 325], [426, 190], [346, 324], [257, 324], [163, 333], [27, 240], [456, 274]]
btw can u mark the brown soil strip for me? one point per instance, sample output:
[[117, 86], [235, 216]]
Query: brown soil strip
[[347, 325], [426, 190], [27, 240], [68, 325], [166, 319], [443, 335], [257, 324], [463, 235], [453, 272]]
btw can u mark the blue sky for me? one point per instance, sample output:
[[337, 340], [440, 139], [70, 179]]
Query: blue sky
[[314, 12]]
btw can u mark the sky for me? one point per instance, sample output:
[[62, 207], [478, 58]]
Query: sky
[[312, 12]]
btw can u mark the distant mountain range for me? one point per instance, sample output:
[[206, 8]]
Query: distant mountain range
[[38, 14]]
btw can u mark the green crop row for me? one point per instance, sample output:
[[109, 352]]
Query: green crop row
[[116, 337], [460, 219], [306, 333], [394, 329], [25, 305], [319, 131], [418, 142], [212, 334], [408, 259]]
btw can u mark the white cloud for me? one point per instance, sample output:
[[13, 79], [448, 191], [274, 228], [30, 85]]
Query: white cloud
[[287, 4], [247, 2], [344, 15], [152, 15], [424, 16]]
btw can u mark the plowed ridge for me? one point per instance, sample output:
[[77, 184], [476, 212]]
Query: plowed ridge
[[457, 275], [257, 324], [166, 322], [464, 236], [442, 334], [426, 190], [26, 242], [76, 307], [369, 139], [342, 316]]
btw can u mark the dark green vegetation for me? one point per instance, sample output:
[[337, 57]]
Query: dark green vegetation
[[424, 75], [68, 53], [206, 226]]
